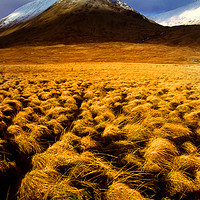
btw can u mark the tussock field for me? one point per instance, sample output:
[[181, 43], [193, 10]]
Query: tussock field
[[100, 131]]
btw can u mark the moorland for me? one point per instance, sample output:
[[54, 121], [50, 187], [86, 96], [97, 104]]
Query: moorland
[[110, 121]]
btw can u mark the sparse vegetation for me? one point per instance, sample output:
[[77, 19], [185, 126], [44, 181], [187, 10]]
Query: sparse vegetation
[[100, 132]]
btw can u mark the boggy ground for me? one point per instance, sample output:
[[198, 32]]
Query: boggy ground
[[107, 130]]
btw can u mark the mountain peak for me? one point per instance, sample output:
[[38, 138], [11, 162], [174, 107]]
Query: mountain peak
[[36, 7]]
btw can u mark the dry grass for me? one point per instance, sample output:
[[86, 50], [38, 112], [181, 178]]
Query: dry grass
[[159, 155], [180, 183], [93, 131], [120, 191]]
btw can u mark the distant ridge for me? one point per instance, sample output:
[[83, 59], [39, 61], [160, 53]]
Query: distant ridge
[[185, 15]]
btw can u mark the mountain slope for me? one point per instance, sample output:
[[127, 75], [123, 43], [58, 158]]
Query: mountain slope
[[185, 15], [76, 21]]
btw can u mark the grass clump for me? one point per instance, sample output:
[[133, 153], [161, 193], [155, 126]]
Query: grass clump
[[178, 183], [159, 155], [37, 183], [112, 133], [139, 113], [121, 191], [27, 145], [175, 132]]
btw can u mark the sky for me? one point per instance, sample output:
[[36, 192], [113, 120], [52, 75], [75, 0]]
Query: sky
[[146, 7]]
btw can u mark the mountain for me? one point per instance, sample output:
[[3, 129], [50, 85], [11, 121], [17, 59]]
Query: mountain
[[76, 21], [185, 15], [34, 8]]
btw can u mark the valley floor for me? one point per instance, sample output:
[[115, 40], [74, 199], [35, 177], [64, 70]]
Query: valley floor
[[101, 52]]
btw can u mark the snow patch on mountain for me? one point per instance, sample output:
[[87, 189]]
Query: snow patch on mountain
[[185, 15], [26, 12], [122, 4]]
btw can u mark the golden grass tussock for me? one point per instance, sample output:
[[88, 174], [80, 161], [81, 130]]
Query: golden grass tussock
[[189, 147], [56, 112], [159, 155], [121, 191], [27, 145], [155, 101], [83, 127], [189, 163], [25, 116], [55, 127], [121, 120], [72, 107], [88, 144], [132, 104], [44, 95], [137, 132], [112, 133], [179, 183], [63, 190], [132, 161], [59, 152], [4, 93], [15, 104], [14, 130], [39, 131], [65, 120], [154, 122], [192, 118], [175, 131], [139, 113], [84, 171], [183, 108], [174, 117], [108, 115], [97, 170], [54, 157], [70, 138], [194, 104], [89, 94], [49, 103], [86, 115], [102, 110], [37, 183], [69, 100]]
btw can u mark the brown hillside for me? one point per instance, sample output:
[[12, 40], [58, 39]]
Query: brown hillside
[[180, 35]]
